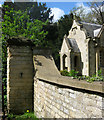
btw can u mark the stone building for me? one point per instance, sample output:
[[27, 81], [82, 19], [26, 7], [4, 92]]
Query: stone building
[[83, 49]]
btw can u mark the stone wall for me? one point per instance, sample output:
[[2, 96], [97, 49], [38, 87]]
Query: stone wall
[[92, 58], [55, 96], [19, 79], [102, 37], [57, 101]]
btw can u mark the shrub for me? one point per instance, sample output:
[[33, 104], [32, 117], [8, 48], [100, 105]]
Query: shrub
[[99, 72], [64, 72], [92, 78], [72, 73]]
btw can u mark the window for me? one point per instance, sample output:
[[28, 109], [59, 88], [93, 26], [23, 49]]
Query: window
[[102, 58], [64, 62], [74, 30]]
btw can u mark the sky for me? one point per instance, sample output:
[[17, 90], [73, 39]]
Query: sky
[[59, 9]]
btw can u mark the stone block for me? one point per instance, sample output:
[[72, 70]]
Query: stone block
[[72, 95], [99, 104], [54, 108], [76, 114], [58, 106], [53, 113], [67, 100], [66, 111], [93, 111], [65, 104], [57, 115], [61, 108], [89, 102]]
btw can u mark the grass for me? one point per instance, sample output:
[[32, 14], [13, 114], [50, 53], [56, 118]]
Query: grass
[[25, 116]]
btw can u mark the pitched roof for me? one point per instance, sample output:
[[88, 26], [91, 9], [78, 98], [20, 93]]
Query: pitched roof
[[72, 44], [67, 42], [89, 27]]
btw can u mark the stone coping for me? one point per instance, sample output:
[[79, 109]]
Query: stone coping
[[22, 41], [75, 83], [46, 70], [19, 41]]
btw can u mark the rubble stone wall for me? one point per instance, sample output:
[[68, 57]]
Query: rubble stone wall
[[55, 101]]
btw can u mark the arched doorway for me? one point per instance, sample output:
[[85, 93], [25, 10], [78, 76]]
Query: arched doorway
[[76, 62]]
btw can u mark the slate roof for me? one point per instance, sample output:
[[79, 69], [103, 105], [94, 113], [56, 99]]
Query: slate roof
[[71, 43], [89, 27]]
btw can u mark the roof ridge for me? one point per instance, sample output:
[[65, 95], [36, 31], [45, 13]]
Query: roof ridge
[[91, 24]]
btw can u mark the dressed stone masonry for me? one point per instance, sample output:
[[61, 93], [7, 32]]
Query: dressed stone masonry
[[19, 77], [83, 49]]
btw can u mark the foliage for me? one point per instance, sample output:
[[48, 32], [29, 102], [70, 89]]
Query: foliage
[[97, 10], [99, 73], [78, 13], [40, 12], [90, 78], [64, 72], [56, 34], [96, 77], [72, 73], [25, 116], [64, 25], [21, 24], [94, 15], [34, 9]]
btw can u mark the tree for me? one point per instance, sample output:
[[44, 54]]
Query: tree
[[64, 25], [56, 33], [78, 13], [95, 14], [34, 9], [17, 23], [40, 12], [97, 9]]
